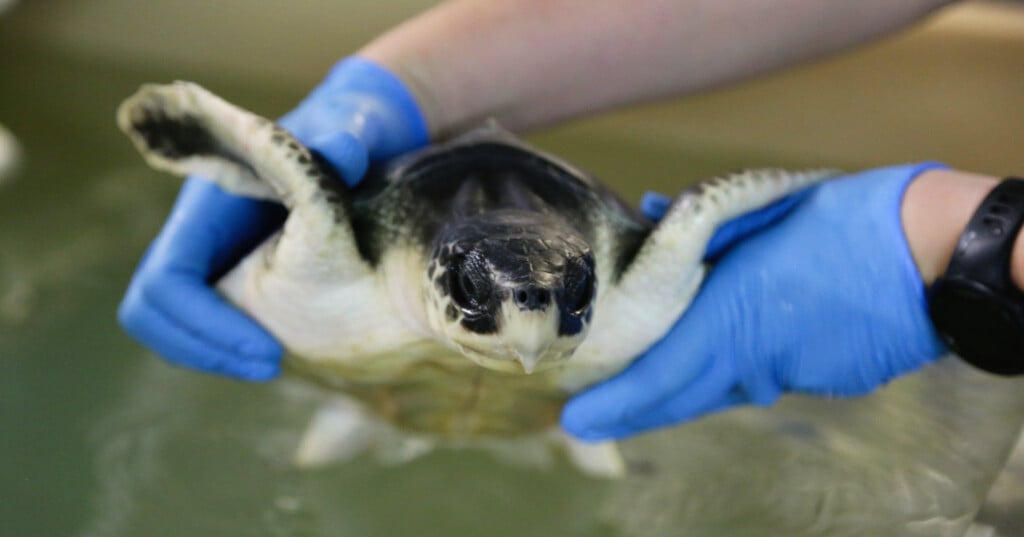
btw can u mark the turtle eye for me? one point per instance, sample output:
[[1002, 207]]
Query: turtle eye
[[469, 284], [579, 285]]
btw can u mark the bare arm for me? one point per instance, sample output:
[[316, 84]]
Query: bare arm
[[936, 209], [534, 62]]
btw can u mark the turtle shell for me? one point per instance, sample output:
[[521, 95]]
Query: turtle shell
[[403, 204]]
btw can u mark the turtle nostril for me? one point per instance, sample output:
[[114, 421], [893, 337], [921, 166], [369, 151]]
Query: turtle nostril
[[532, 298]]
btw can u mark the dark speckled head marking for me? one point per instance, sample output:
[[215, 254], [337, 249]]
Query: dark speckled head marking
[[531, 260], [501, 273]]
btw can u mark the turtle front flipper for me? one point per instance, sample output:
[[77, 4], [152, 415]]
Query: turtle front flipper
[[663, 277], [184, 129]]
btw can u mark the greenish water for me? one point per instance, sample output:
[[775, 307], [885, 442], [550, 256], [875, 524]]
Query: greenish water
[[102, 439]]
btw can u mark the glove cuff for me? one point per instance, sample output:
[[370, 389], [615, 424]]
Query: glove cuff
[[930, 345]]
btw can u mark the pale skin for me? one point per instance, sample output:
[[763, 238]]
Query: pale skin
[[935, 211], [532, 63]]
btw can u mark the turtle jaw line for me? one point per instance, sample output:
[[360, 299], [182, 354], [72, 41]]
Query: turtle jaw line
[[512, 361]]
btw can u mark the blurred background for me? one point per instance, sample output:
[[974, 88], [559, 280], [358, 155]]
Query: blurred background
[[100, 438], [950, 89]]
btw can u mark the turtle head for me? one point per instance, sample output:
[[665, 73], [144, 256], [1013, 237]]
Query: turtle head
[[513, 290]]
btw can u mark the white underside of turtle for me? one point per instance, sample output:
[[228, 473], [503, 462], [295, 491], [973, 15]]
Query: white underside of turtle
[[460, 294]]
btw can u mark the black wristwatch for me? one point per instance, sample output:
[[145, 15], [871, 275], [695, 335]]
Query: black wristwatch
[[975, 305]]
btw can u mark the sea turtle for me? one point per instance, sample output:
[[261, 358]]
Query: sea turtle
[[459, 293]]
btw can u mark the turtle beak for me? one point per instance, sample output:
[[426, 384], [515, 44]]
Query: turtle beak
[[529, 349], [528, 359], [540, 359], [529, 335]]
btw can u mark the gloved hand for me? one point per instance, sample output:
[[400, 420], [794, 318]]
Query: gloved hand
[[827, 301], [359, 113]]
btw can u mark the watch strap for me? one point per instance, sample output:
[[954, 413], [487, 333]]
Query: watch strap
[[986, 245], [975, 305]]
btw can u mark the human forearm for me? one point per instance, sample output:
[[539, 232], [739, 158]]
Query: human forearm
[[534, 62], [935, 211]]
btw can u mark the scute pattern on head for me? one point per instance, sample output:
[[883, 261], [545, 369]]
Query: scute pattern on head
[[521, 281]]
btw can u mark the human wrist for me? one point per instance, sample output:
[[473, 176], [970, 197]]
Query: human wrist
[[935, 210]]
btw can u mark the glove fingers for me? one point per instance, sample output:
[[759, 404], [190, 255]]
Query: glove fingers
[[229, 227], [187, 323], [714, 390], [343, 152], [729, 400], [662, 371], [743, 226], [654, 205]]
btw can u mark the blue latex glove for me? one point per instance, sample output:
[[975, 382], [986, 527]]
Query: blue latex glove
[[826, 301], [359, 113]]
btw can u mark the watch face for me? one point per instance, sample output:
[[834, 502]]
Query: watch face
[[985, 329]]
